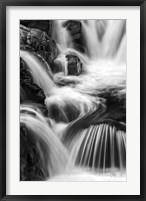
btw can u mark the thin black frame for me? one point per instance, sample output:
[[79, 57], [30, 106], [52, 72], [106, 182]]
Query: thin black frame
[[3, 5]]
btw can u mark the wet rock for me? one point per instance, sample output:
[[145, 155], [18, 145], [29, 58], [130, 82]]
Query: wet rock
[[23, 35], [38, 41], [31, 168], [115, 103], [44, 25], [63, 81], [22, 95], [32, 92], [74, 65], [75, 29], [76, 37], [73, 26], [25, 75]]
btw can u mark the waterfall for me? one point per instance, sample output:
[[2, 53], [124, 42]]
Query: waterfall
[[83, 131], [100, 147], [67, 104], [60, 106], [103, 39], [61, 35], [91, 38], [40, 76], [62, 60], [122, 52], [113, 37], [52, 149]]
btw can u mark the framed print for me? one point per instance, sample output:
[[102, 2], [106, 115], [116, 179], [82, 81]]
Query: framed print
[[72, 100]]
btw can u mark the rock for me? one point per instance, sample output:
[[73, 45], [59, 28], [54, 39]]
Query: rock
[[115, 103], [44, 25], [38, 41], [22, 95], [75, 29], [31, 168], [74, 65], [25, 75], [63, 81], [32, 92], [23, 34], [73, 26], [76, 37]]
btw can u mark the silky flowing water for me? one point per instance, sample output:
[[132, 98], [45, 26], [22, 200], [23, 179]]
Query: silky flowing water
[[78, 146]]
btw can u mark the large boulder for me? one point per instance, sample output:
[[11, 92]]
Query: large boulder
[[74, 65], [38, 41], [44, 25]]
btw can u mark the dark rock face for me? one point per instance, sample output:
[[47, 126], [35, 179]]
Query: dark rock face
[[34, 93], [31, 166], [75, 29], [115, 103], [30, 90], [73, 26], [38, 41], [74, 65], [44, 25], [25, 75]]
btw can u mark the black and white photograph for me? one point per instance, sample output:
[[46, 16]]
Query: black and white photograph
[[73, 100]]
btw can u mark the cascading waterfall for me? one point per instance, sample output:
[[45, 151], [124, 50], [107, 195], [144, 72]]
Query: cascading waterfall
[[113, 37], [64, 41], [52, 151], [38, 72], [57, 98], [61, 35], [91, 38], [100, 147], [108, 45], [73, 140]]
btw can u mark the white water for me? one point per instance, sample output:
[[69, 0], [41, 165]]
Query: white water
[[55, 153], [39, 74], [92, 41], [61, 35], [90, 154], [91, 147]]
